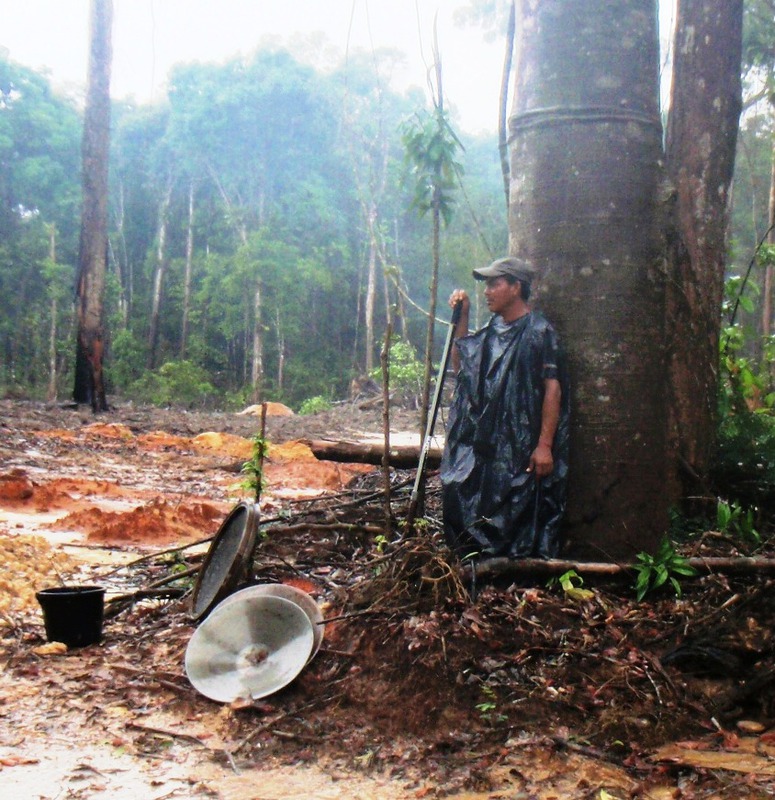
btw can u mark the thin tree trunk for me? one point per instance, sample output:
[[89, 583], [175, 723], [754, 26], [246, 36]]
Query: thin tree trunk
[[124, 268], [257, 365], [51, 395], [188, 271], [385, 364], [768, 287], [371, 287], [280, 351], [434, 284], [503, 143], [90, 344], [159, 275]]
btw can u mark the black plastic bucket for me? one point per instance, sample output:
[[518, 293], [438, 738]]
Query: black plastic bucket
[[73, 614]]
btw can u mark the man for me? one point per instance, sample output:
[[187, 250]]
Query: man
[[505, 463]]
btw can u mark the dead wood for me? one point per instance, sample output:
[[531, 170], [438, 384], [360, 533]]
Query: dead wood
[[399, 456], [504, 567]]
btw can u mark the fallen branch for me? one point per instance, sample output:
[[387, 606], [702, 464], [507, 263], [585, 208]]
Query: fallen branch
[[503, 567], [287, 530], [399, 456]]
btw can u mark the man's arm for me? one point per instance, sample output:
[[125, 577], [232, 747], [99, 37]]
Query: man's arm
[[461, 329], [541, 460]]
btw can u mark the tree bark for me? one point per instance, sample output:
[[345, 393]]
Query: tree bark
[[586, 143], [90, 344], [701, 137]]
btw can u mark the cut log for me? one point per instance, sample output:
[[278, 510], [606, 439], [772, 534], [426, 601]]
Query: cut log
[[505, 567], [400, 456]]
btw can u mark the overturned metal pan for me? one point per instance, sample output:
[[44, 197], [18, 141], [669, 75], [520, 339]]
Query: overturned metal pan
[[298, 596], [228, 561]]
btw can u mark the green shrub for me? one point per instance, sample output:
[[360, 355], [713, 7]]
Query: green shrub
[[179, 383], [406, 370], [744, 468], [314, 405], [127, 356]]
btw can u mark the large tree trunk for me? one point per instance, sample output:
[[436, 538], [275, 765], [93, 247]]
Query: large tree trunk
[[701, 138], [584, 207], [89, 384]]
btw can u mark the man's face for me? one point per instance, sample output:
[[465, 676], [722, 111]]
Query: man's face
[[500, 295]]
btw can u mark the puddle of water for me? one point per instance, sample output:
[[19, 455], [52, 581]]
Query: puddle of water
[[107, 773]]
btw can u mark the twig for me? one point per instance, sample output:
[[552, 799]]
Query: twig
[[270, 724], [186, 737], [585, 750], [334, 526], [385, 362]]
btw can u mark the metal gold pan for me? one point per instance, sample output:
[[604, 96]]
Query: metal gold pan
[[228, 560], [298, 596], [249, 648]]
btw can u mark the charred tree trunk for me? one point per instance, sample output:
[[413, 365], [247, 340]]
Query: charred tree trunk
[[586, 154], [701, 138], [90, 291]]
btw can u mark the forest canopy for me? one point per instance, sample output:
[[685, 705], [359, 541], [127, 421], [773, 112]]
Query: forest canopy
[[246, 214]]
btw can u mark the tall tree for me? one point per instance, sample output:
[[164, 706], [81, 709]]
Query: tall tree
[[584, 207], [90, 346], [701, 138], [759, 67], [431, 152], [39, 164]]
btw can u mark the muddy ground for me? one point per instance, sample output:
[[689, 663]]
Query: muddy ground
[[422, 688]]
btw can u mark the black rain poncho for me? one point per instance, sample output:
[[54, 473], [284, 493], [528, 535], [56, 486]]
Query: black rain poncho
[[492, 505]]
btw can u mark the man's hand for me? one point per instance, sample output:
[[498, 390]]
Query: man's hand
[[460, 296], [541, 461]]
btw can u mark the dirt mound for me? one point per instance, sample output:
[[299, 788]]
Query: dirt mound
[[16, 487], [272, 410], [159, 522]]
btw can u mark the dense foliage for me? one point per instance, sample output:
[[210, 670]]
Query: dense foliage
[[242, 210]]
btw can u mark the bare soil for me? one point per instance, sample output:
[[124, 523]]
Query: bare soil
[[425, 686]]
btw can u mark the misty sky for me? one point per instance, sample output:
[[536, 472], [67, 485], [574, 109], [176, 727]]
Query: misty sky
[[149, 36]]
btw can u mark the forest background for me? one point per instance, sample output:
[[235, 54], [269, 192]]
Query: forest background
[[266, 172]]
